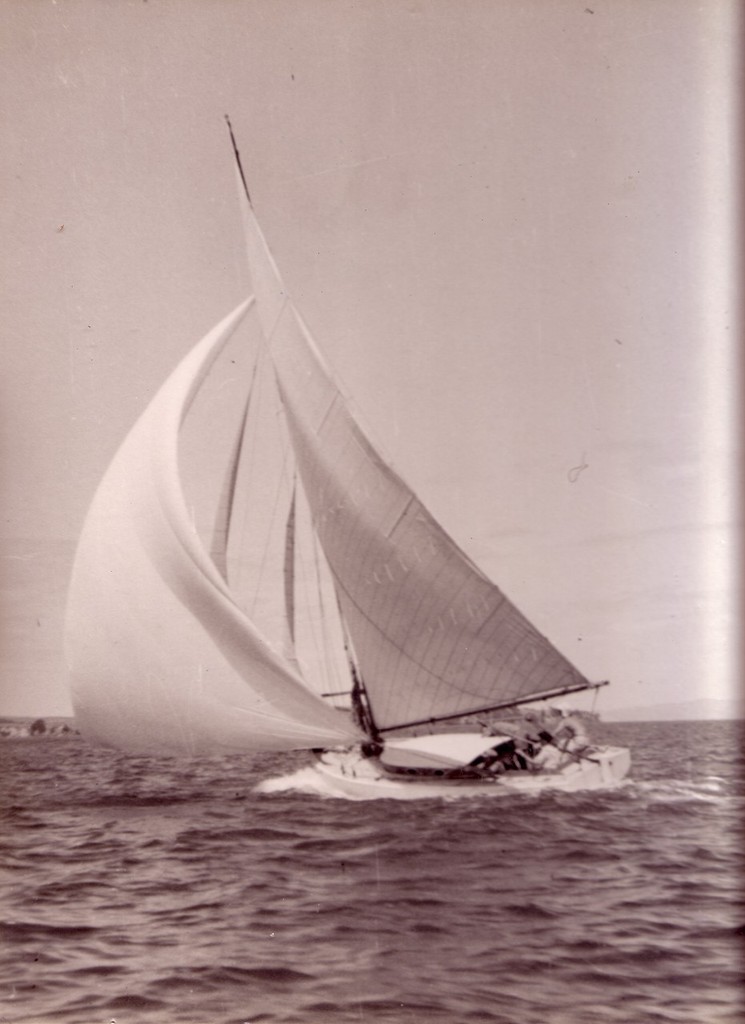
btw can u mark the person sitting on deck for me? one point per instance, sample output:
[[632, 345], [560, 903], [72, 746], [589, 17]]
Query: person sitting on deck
[[547, 759], [563, 738], [517, 752], [530, 733], [567, 731], [535, 740], [502, 757]]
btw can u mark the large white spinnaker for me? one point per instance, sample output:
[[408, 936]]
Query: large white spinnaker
[[432, 635], [161, 657]]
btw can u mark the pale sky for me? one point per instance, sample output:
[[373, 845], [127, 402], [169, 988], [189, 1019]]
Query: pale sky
[[509, 227]]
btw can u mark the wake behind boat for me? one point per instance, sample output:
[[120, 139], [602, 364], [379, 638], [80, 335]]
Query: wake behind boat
[[344, 621]]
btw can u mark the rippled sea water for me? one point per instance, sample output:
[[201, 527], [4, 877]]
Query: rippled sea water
[[149, 891]]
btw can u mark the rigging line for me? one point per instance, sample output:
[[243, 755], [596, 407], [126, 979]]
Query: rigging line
[[273, 329]]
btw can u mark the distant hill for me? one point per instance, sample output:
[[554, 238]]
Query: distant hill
[[685, 710]]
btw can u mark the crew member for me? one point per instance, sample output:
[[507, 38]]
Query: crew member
[[567, 730]]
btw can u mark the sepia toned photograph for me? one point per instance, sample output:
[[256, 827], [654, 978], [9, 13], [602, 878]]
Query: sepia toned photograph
[[368, 629]]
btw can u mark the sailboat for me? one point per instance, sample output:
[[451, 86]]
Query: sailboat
[[371, 638]]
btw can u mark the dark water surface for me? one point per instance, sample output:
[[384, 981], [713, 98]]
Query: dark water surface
[[150, 891]]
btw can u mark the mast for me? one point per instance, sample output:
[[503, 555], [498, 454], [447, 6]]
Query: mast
[[362, 711], [237, 155]]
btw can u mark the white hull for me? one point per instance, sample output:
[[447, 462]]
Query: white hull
[[351, 775]]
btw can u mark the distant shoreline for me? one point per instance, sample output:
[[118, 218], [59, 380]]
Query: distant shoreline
[[55, 726], [48, 727]]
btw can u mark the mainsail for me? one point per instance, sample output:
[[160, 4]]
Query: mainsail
[[434, 638], [161, 657]]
